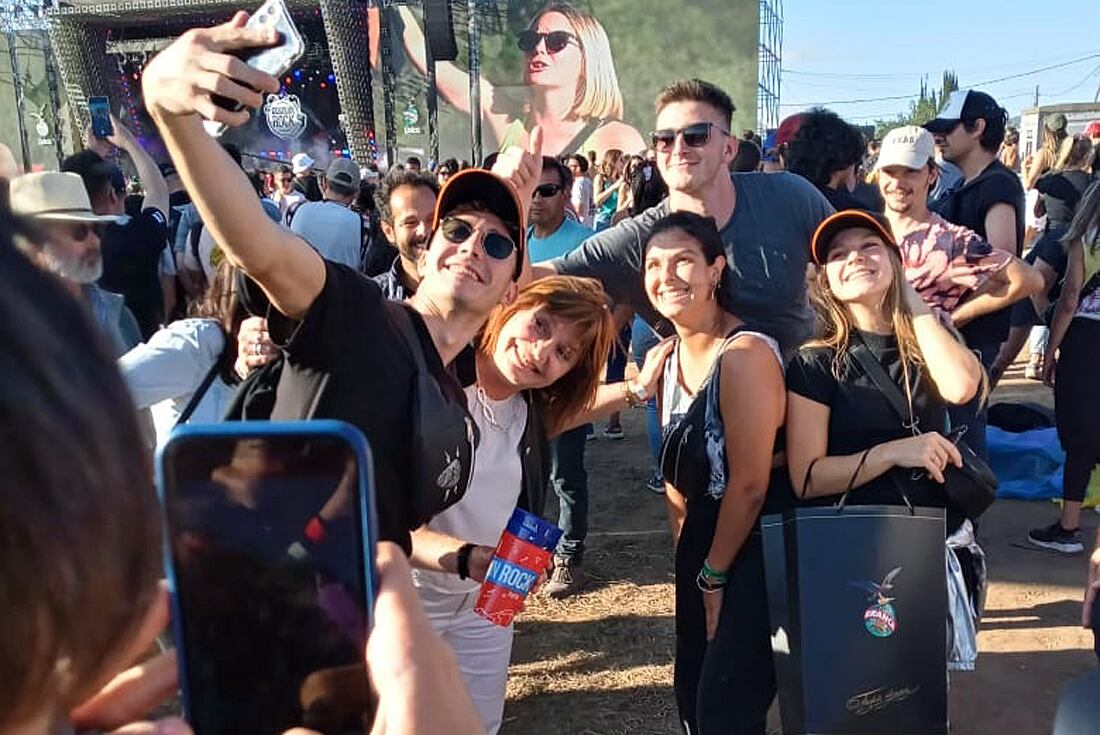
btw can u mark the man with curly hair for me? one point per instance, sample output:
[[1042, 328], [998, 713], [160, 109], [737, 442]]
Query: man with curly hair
[[827, 152]]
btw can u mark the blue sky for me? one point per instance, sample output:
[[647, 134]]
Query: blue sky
[[859, 49]]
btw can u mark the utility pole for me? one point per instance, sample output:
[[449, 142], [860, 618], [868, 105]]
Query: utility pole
[[17, 84], [1036, 95]]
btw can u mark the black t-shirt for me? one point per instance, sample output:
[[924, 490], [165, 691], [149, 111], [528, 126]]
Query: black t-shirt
[[842, 199], [967, 206], [131, 266], [1060, 193], [349, 335], [860, 417]]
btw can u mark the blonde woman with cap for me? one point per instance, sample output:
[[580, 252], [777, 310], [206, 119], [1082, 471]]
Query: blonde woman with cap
[[58, 204], [572, 89], [841, 430]]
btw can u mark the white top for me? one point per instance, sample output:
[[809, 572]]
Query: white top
[[480, 517], [582, 192], [332, 229], [164, 372], [286, 201]]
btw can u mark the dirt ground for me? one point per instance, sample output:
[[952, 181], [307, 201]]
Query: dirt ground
[[601, 662]]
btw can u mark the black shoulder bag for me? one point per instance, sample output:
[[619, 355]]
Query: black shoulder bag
[[196, 397], [684, 461], [444, 436], [972, 488]]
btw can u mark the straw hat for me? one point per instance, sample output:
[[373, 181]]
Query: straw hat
[[55, 196]]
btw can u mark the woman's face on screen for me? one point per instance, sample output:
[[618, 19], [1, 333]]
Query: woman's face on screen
[[545, 67]]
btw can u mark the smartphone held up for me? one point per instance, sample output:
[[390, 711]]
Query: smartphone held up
[[269, 543], [99, 109], [274, 60]]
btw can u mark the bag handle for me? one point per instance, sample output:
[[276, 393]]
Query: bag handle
[[204, 386]]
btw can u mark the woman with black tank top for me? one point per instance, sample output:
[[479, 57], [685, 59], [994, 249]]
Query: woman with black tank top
[[719, 462], [841, 431]]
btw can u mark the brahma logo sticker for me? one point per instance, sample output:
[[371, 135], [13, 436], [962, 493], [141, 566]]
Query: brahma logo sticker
[[880, 618]]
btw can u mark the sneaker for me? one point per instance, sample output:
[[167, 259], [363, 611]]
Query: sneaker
[[613, 432], [655, 484], [566, 579], [1056, 538]]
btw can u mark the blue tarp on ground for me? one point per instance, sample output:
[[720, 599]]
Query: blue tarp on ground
[[1028, 464]]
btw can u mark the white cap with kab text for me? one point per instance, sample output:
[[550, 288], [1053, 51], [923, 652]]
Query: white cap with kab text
[[908, 146]]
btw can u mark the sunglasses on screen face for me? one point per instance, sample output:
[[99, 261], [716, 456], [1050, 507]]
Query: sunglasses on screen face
[[528, 41], [546, 191], [695, 135], [457, 231]]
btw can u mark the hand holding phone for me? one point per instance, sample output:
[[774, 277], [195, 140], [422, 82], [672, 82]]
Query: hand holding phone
[[100, 110], [178, 82]]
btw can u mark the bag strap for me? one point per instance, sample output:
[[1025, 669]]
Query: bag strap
[[204, 386], [404, 324], [897, 400]]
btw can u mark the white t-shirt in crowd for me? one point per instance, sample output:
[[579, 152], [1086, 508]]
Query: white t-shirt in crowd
[[480, 517], [582, 192], [332, 229], [164, 373]]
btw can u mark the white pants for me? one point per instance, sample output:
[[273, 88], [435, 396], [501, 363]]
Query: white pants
[[483, 650]]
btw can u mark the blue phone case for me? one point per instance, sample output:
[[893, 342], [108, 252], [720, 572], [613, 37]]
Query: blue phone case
[[247, 429]]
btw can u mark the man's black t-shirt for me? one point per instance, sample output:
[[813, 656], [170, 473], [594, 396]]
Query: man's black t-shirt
[[968, 206], [131, 266], [860, 417], [349, 336]]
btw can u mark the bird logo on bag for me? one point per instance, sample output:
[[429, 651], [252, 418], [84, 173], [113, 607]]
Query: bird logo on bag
[[879, 618]]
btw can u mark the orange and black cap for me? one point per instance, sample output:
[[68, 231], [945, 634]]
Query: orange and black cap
[[846, 219]]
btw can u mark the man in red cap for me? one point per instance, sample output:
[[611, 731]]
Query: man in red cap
[[329, 319]]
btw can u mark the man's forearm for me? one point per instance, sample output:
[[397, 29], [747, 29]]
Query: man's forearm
[[290, 272], [156, 190]]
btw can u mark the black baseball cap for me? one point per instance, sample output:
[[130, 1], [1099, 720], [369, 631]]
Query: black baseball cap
[[92, 167], [965, 104]]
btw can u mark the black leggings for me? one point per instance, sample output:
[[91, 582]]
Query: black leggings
[[724, 686], [1077, 404]]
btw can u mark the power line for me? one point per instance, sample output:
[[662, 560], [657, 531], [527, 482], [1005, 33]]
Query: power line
[[862, 100]]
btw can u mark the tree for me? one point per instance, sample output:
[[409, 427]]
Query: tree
[[927, 105]]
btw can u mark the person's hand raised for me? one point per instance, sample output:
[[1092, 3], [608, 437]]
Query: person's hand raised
[[522, 167], [183, 78]]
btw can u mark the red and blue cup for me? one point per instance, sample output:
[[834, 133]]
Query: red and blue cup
[[522, 555]]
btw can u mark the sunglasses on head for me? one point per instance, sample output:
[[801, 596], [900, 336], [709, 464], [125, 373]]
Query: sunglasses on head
[[497, 246], [79, 231], [528, 41], [548, 190], [695, 135]]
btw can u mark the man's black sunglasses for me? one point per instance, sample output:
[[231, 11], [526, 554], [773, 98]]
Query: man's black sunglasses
[[497, 246], [695, 135], [548, 190], [528, 41]]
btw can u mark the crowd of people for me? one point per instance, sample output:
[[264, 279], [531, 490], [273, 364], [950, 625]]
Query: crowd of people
[[747, 277]]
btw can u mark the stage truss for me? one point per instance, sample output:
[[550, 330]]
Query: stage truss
[[770, 64], [82, 42]]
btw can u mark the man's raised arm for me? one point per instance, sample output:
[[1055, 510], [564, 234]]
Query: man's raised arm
[[178, 86]]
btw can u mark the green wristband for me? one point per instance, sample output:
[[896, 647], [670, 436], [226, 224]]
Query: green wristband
[[711, 573]]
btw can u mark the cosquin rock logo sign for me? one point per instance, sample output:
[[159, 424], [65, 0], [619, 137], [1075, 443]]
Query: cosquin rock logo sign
[[284, 116], [880, 618]]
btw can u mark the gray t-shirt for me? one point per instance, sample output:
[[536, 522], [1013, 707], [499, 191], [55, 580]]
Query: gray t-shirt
[[332, 229], [767, 245]]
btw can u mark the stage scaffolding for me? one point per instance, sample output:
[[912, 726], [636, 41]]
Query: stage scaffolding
[[770, 64]]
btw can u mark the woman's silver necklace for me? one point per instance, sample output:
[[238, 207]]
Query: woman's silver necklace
[[490, 416]]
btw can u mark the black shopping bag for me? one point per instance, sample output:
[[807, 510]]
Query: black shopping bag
[[858, 604]]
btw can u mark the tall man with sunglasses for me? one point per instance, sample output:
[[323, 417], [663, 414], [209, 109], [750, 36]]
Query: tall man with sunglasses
[[331, 320], [551, 235], [766, 221]]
